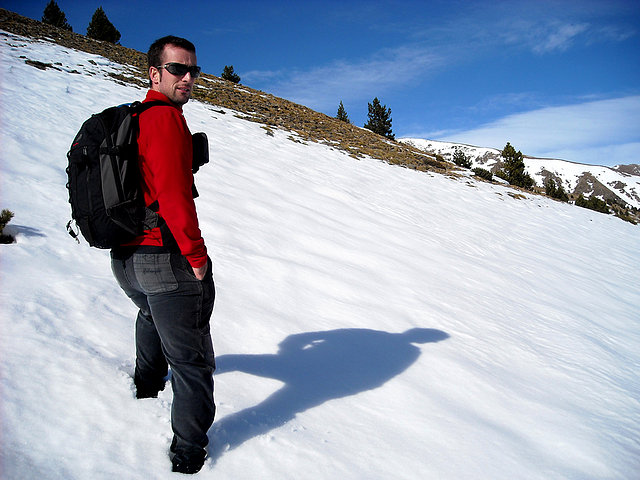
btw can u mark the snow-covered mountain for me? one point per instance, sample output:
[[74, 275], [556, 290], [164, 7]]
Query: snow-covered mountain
[[621, 181], [372, 322]]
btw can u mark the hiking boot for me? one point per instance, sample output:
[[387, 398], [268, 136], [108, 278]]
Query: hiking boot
[[146, 392], [147, 389], [188, 462]]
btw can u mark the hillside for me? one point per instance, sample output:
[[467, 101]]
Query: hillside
[[372, 322], [255, 105], [621, 186], [620, 183]]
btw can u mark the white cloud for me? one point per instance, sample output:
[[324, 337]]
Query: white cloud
[[543, 36], [323, 86], [592, 132], [558, 37]]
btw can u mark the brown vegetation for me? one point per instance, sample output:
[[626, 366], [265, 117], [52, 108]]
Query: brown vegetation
[[253, 105]]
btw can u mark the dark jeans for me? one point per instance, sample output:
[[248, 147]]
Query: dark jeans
[[172, 329]]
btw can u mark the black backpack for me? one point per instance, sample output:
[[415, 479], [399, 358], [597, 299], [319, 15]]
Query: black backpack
[[104, 185]]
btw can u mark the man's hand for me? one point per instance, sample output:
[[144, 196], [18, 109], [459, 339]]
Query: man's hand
[[200, 272]]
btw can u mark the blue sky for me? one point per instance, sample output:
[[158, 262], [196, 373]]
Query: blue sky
[[555, 78]]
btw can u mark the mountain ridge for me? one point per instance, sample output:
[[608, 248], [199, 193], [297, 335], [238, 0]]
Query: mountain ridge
[[619, 184]]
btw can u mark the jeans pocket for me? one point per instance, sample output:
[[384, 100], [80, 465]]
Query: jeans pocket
[[208, 299], [154, 273]]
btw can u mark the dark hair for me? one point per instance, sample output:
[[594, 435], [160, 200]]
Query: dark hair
[[154, 55]]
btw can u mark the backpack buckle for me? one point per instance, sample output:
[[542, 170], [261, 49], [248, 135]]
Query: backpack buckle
[[70, 231]]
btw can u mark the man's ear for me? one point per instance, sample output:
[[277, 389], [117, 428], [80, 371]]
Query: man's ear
[[154, 75]]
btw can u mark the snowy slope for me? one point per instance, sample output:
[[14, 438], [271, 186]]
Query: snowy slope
[[372, 322], [573, 175]]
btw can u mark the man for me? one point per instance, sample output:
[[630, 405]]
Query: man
[[166, 272]]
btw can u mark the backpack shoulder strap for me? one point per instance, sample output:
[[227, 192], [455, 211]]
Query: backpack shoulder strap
[[138, 107], [152, 217]]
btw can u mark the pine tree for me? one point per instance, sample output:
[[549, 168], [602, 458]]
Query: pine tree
[[460, 159], [554, 191], [230, 75], [593, 203], [52, 15], [342, 114], [100, 28], [513, 170], [379, 119]]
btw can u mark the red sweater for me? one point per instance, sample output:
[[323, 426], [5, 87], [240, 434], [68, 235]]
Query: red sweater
[[165, 155]]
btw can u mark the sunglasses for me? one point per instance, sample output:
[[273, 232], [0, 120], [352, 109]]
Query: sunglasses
[[180, 70]]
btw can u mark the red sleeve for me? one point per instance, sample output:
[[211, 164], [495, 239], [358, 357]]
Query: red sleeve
[[168, 157]]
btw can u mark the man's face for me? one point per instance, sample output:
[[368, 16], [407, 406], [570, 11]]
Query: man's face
[[176, 88]]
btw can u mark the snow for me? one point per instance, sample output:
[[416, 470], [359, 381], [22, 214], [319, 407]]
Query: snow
[[372, 322], [626, 186]]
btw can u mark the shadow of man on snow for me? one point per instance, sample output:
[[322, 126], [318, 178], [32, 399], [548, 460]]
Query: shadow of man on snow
[[316, 367]]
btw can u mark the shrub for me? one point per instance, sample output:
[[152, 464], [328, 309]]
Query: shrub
[[100, 28], [593, 203], [229, 75], [460, 159], [554, 191], [482, 173], [5, 217]]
